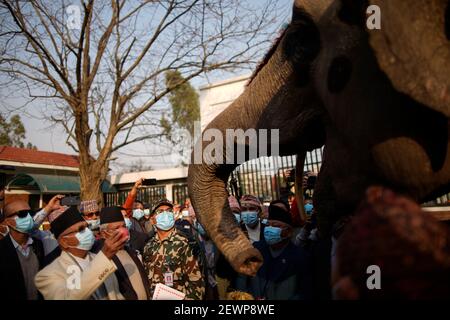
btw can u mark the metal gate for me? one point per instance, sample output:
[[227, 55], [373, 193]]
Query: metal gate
[[180, 193], [268, 177], [150, 195]]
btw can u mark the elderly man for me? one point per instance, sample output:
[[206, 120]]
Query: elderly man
[[78, 274], [169, 258], [21, 256], [90, 211], [286, 272], [130, 273]]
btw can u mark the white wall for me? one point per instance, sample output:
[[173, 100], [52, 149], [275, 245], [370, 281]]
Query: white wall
[[214, 98]]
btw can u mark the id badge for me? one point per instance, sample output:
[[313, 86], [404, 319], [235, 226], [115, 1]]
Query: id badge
[[168, 279]]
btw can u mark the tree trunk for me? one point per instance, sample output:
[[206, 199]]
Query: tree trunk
[[91, 179]]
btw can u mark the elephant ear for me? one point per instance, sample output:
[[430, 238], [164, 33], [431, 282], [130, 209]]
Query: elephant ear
[[413, 49]]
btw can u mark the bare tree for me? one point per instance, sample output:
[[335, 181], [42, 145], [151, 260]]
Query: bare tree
[[98, 67]]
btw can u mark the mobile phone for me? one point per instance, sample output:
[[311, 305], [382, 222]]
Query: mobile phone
[[149, 182], [70, 201]]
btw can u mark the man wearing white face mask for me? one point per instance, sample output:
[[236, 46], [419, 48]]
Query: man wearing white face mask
[[78, 274], [21, 256]]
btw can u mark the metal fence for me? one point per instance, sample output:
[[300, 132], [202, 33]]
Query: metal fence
[[180, 193], [268, 177], [148, 194]]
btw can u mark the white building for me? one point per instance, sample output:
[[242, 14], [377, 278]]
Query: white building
[[216, 97]]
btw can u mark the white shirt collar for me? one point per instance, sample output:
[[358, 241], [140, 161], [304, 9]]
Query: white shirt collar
[[25, 250], [255, 233]]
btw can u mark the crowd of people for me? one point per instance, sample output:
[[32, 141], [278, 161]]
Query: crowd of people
[[125, 252]]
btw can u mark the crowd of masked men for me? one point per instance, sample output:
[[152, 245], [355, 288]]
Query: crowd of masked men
[[124, 252]]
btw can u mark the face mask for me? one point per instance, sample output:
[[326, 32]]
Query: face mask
[[272, 235], [165, 220], [146, 212], [238, 217], [127, 223], [309, 208], [24, 225], [185, 213], [249, 217], [93, 224], [138, 214], [86, 239]]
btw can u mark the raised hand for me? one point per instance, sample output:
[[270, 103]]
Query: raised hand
[[113, 244]]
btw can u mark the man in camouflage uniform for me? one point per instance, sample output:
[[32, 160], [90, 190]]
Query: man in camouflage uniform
[[169, 257]]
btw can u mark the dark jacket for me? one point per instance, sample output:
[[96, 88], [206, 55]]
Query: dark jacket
[[261, 231], [125, 286], [138, 240], [286, 277], [11, 277]]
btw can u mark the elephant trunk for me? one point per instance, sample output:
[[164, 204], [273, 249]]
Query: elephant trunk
[[207, 180]]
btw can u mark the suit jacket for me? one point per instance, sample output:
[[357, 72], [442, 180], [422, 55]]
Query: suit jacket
[[125, 286], [52, 281], [11, 277], [138, 240]]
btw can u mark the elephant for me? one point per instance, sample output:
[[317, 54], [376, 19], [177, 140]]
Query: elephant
[[378, 101]]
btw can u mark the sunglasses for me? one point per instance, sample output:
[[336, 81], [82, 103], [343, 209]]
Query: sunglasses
[[91, 214], [22, 213]]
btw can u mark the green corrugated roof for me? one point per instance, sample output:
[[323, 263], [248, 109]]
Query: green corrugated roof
[[53, 183]]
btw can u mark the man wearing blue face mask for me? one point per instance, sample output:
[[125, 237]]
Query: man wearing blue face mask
[[250, 215], [286, 271], [78, 274], [91, 211], [146, 223], [21, 256], [138, 210], [169, 258]]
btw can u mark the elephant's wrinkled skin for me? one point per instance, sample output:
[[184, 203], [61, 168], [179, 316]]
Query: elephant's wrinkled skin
[[330, 81]]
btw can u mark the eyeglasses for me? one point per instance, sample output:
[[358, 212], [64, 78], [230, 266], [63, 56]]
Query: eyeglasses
[[158, 211], [22, 213], [91, 214]]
